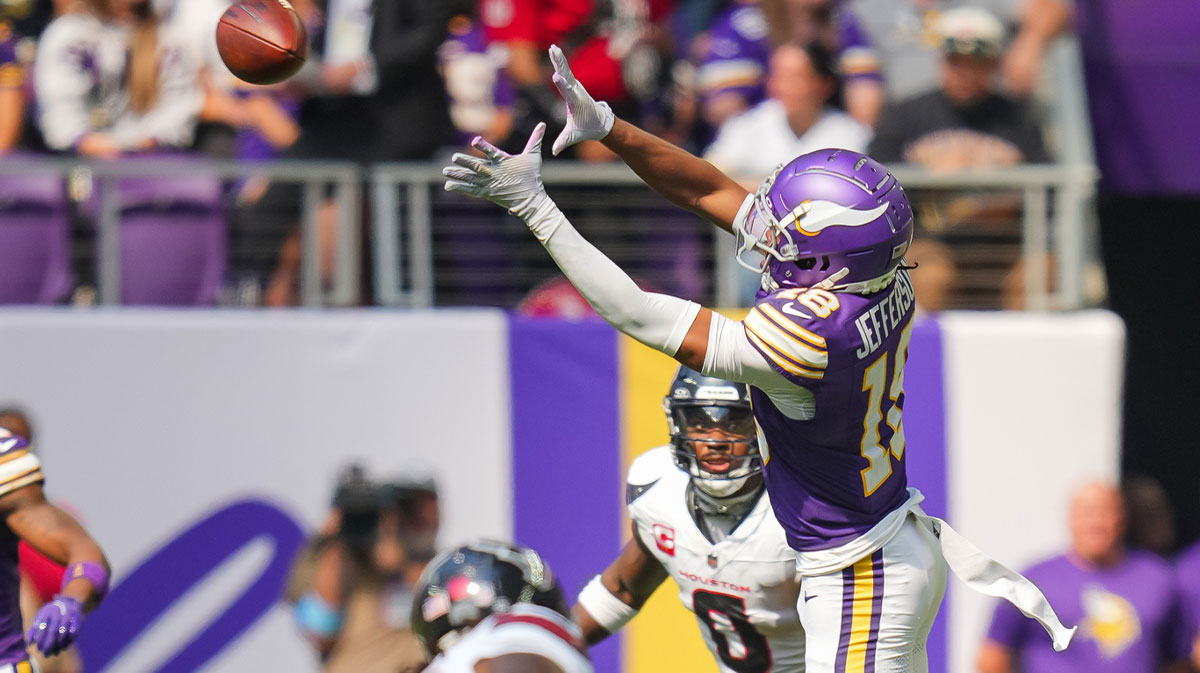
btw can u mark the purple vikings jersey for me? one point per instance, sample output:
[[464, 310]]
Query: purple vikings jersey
[[739, 50], [736, 58], [836, 475], [19, 467], [1187, 579], [1126, 617]]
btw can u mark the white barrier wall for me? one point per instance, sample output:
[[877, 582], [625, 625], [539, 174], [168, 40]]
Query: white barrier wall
[[149, 421], [1032, 410], [174, 432]]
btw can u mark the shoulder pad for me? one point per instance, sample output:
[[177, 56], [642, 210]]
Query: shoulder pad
[[651, 466], [646, 470], [785, 328]]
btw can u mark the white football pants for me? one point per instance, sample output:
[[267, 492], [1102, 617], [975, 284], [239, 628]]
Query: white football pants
[[874, 615]]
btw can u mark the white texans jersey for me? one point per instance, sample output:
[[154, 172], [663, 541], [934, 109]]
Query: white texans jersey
[[743, 590], [526, 629]]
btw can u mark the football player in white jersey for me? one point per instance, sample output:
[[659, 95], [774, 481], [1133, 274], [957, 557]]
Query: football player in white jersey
[[492, 607], [701, 515]]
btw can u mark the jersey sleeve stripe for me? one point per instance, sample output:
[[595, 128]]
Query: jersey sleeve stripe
[[18, 467], [779, 359], [727, 74], [22, 481], [814, 340], [797, 351], [13, 456]]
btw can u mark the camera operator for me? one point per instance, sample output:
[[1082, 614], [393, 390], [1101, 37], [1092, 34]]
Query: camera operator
[[352, 583]]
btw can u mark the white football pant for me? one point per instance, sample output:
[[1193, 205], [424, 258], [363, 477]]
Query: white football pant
[[874, 615]]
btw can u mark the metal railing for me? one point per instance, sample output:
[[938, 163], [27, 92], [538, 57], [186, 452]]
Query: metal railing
[[1051, 224], [312, 177], [411, 218]]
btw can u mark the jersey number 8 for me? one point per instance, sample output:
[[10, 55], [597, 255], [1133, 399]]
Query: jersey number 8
[[741, 647]]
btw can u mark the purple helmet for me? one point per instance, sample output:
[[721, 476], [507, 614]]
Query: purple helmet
[[832, 218]]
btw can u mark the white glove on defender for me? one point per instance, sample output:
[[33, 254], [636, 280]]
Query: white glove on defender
[[513, 182], [586, 119]]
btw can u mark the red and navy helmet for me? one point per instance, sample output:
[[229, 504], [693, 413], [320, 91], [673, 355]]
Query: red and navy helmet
[[461, 587]]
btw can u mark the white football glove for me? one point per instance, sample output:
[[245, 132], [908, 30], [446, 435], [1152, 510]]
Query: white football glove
[[513, 182], [586, 119]]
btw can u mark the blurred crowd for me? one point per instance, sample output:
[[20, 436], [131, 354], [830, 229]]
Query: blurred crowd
[[947, 84], [401, 80], [1123, 578]]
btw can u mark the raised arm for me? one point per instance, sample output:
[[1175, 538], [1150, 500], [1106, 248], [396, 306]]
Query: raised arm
[[695, 336], [615, 596], [686, 180]]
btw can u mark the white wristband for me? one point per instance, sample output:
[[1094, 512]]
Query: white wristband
[[606, 609]]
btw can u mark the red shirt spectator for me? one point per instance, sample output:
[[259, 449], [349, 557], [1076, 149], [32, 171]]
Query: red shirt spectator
[[537, 24], [45, 575], [543, 22]]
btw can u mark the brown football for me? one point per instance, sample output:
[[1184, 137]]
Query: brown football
[[262, 41]]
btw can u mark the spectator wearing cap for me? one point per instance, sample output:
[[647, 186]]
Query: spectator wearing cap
[[905, 33], [1122, 600], [797, 117], [966, 122]]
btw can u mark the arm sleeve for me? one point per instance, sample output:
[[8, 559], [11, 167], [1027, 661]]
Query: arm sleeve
[[61, 84], [657, 320]]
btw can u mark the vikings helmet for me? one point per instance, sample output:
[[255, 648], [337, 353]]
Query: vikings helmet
[[833, 219], [699, 401], [460, 587]]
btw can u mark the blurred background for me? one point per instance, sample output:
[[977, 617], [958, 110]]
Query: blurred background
[[442, 381]]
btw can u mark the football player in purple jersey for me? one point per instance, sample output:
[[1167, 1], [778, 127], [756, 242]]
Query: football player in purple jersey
[[823, 350], [26, 515]]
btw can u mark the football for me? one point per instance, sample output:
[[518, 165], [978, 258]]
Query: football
[[262, 41]]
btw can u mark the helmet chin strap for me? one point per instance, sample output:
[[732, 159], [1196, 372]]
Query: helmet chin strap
[[831, 280], [830, 283]]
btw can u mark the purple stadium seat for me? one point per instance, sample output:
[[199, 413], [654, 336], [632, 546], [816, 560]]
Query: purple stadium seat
[[35, 240], [174, 243]]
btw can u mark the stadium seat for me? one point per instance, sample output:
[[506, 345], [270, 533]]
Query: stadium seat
[[35, 264], [174, 241]]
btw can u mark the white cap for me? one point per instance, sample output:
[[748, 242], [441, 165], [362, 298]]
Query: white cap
[[972, 31]]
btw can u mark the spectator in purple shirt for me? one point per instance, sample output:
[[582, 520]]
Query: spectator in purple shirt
[[1123, 601], [733, 65], [1187, 573]]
